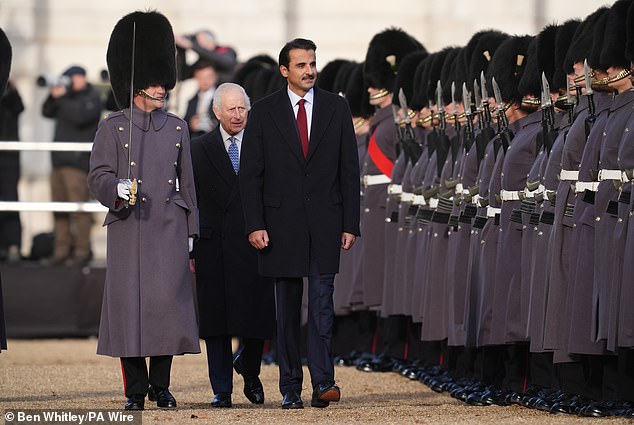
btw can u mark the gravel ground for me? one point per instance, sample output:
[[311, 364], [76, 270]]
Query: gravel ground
[[67, 374]]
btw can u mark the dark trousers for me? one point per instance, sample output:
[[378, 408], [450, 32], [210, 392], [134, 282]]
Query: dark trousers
[[220, 361], [136, 377], [288, 292]]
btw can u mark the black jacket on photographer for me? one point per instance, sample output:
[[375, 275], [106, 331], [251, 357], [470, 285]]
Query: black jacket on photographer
[[77, 115]]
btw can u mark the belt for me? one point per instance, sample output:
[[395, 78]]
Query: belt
[[610, 175], [569, 175], [491, 212], [433, 203], [407, 197], [394, 189], [583, 186], [371, 180], [418, 200], [509, 195], [532, 193]]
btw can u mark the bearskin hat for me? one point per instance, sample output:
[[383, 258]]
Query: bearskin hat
[[5, 61], [594, 59], [545, 45], [326, 77], [447, 73], [482, 54], [629, 45], [384, 55], [357, 95], [563, 40], [581, 45], [435, 73], [421, 80], [530, 83], [405, 77], [507, 66], [342, 77], [154, 54], [613, 52]]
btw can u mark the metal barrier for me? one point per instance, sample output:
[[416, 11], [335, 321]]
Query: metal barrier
[[92, 206]]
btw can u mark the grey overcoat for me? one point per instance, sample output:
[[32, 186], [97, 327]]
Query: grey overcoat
[[148, 303]]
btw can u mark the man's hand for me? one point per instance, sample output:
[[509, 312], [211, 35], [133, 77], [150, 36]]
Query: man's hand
[[347, 240], [58, 91], [192, 265], [259, 239]]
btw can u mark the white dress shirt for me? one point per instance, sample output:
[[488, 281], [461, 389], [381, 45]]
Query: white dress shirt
[[226, 136], [308, 106]]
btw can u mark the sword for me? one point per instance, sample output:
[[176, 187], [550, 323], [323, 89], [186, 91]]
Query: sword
[[133, 188]]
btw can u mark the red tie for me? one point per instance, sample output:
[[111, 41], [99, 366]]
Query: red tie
[[302, 126]]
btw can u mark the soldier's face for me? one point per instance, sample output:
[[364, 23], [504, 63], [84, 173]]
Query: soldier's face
[[301, 72], [232, 112]]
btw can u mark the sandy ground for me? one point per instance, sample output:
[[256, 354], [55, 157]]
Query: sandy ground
[[66, 374]]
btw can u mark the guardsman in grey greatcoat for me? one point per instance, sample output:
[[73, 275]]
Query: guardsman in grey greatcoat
[[141, 169]]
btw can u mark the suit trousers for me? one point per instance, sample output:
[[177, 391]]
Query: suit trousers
[[220, 361], [136, 378], [288, 292]]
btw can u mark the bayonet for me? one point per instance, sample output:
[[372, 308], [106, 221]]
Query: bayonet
[[485, 99], [501, 110], [546, 100], [466, 103], [402, 99], [476, 94], [397, 121], [454, 107], [441, 107], [590, 94], [587, 77], [404, 108]]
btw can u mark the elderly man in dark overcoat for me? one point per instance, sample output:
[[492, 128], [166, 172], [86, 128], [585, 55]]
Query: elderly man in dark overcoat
[[140, 168], [300, 192], [233, 299]]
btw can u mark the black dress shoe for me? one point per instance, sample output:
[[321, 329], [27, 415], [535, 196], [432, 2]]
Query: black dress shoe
[[163, 398], [292, 400], [134, 403], [253, 389], [323, 394], [221, 400]]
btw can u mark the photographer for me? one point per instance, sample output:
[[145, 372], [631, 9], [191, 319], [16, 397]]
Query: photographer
[[203, 43], [76, 107]]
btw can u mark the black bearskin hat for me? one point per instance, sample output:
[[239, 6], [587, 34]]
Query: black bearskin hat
[[447, 74], [326, 77], [5, 61], [594, 59], [546, 62], [405, 76], [421, 80], [435, 73], [613, 52], [629, 45], [507, 66], [530, 83], [562, 43], [357, 95], [342, 77], [384, 55], [581, 45], [155, 54], [482, 54]]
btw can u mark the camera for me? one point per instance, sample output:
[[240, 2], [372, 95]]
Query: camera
[[49, 81]]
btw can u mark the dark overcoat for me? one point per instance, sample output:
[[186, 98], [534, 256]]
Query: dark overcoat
[[233, 299], [148, 303], [304, 204]]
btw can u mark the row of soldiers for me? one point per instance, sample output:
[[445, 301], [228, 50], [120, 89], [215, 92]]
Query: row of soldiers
[[497, 247]]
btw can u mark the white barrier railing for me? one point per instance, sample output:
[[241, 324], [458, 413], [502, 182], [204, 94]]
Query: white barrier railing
[[49, 206]]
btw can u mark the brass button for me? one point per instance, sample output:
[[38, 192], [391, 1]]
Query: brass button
[[170, 181], [139, 181], [178, 128], [133, 164], [167, 199], [125, 146], [175, 163], [597, 219], [178, 145], [120, 129], [366, 210], [144, 199], [620, 220]]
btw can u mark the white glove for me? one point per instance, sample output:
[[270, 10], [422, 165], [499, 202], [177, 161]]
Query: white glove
[[191, 243], [123, 189]]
